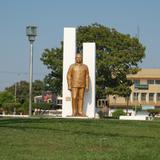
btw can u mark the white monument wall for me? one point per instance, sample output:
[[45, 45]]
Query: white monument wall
[[69, 51], [89, 53]]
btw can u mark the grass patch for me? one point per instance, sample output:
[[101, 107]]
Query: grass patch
[[76, 139]]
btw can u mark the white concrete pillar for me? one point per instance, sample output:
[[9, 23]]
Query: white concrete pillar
[[131, 98], [69, 50], [139, 97], [89, 58], [147, 98], [155, 97]]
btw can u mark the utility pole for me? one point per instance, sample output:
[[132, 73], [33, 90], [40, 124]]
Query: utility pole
[[31, 32]]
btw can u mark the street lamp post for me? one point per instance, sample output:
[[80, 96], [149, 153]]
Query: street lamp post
[[31, 32]]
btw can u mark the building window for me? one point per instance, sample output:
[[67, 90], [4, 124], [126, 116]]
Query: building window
[[151, 81], [143, 96], [136, 82], [158, 97], [135, 96], [151, 96], [157, 81]]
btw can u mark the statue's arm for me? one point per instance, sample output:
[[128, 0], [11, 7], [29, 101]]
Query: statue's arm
[[69, 77], [87, 78]]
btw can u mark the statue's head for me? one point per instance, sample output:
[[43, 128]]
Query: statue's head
[[78, 58]]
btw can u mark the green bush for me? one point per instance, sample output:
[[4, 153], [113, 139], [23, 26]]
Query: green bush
[[43, 106], [10, 107], [117, 113], [6, 97], [153, 112], [101, 114], [138, 108], [25, 107]]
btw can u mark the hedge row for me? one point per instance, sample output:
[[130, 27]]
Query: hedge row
[[9, 108]]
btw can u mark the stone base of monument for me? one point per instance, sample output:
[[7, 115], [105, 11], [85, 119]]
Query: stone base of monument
[[77, 117]]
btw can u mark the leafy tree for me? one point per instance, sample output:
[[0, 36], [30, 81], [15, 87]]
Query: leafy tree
[[54, 60], [38, 87], [117, 55], [22, 90], [11, 107], [6, 97]]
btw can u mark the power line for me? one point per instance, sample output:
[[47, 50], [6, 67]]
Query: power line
[[21, 73]]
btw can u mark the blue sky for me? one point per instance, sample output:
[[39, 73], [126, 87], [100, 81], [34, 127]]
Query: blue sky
[[51, 16]]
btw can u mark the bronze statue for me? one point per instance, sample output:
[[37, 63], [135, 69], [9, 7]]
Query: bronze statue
[[78, 81]]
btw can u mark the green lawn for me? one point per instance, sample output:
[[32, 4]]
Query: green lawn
[[71, 139]]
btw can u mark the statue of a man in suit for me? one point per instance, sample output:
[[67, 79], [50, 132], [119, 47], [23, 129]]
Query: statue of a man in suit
[[78, 82]]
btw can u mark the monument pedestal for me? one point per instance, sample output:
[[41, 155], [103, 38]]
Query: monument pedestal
[[76, 117]]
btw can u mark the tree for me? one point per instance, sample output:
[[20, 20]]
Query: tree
[[22, 90], [117, 55], [6, 97], [53, 59], [38, 87]]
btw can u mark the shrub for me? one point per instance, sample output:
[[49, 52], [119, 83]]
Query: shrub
[[101, 114], [43, 106], [10, 107], [153, 112], [117, 113], [138, 108]]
